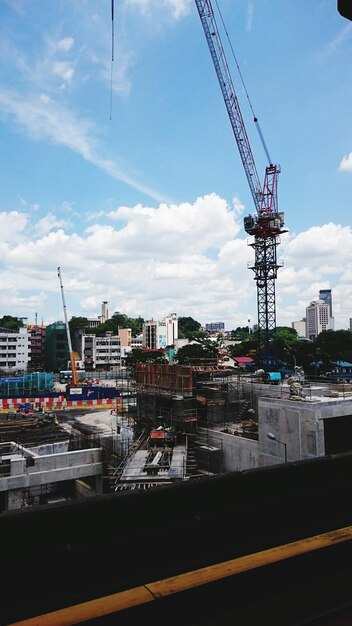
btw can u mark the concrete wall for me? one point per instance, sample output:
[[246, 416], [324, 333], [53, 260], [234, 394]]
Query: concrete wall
[[53, 468], [51, 448], [297, 423], [238, 453]]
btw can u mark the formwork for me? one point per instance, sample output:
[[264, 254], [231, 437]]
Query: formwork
[[185, 395]]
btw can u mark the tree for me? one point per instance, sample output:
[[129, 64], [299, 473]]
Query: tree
[[10, 322], [187, 327], [335, 345], [286, 333], [285, 344], [201, 352], [241, 333], [137, 355], [77, 323], [117, 321], [249, 347]]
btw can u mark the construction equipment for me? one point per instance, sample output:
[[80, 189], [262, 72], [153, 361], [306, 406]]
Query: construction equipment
[[267, 223], [75, 381]]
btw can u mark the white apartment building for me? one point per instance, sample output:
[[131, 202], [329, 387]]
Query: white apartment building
[[159, 334], [101, 352], [15, 350], [317, 319]]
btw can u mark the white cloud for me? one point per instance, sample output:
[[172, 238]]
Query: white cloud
[[152, 260], [12, 224], [63, 69], [346, 163], [65, 44], [50, 222], [178, 8], [320, 245], [45, 120]]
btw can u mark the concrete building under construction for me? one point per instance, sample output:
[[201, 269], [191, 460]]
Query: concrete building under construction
[[249, 423], [188, 396]]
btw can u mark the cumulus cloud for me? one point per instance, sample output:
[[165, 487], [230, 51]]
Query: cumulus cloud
[[148, 261], [329, 243], [12, 224], [316, 259], [157, 257], [50, 222]]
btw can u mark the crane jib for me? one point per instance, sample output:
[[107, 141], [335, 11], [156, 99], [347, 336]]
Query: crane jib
[[216, 49]]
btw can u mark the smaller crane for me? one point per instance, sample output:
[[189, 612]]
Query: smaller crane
[[72, 356]]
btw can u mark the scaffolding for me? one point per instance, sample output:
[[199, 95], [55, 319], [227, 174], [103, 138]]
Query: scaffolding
[[26, 385]]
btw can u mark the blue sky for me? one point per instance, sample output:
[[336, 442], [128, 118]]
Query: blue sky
[[139, 194]]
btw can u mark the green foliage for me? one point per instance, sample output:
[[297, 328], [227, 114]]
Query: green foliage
[[120, 320], [335, 345], [329, 347], [10, 322], [137, 355], [249, 347], [241, 333], [77, 323], [201, 352], [117, 321], [286, 333], [189, 327]]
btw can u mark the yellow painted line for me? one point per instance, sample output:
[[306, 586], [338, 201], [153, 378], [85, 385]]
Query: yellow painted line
[[205, 575], [92, 609], [175, 584]]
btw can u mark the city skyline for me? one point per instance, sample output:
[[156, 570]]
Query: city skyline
[[146, 209]]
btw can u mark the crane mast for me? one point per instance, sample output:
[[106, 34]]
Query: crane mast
[[72, 356], [267, 223]]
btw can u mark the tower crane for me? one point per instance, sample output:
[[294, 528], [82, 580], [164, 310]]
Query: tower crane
[[267, 223]]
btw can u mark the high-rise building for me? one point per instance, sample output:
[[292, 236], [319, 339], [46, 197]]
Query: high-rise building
[[159, 334], [215, 327], [326, 296], [317, 318]]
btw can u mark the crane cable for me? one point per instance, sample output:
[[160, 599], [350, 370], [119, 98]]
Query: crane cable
[[255, 119], [112, 53]]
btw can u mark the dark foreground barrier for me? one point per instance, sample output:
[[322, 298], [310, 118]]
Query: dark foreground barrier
[[61, 555]]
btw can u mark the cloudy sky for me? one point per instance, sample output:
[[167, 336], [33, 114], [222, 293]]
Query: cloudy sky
[[126, 174]]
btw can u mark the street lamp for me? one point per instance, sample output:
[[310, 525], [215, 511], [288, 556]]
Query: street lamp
[[274, 438]]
